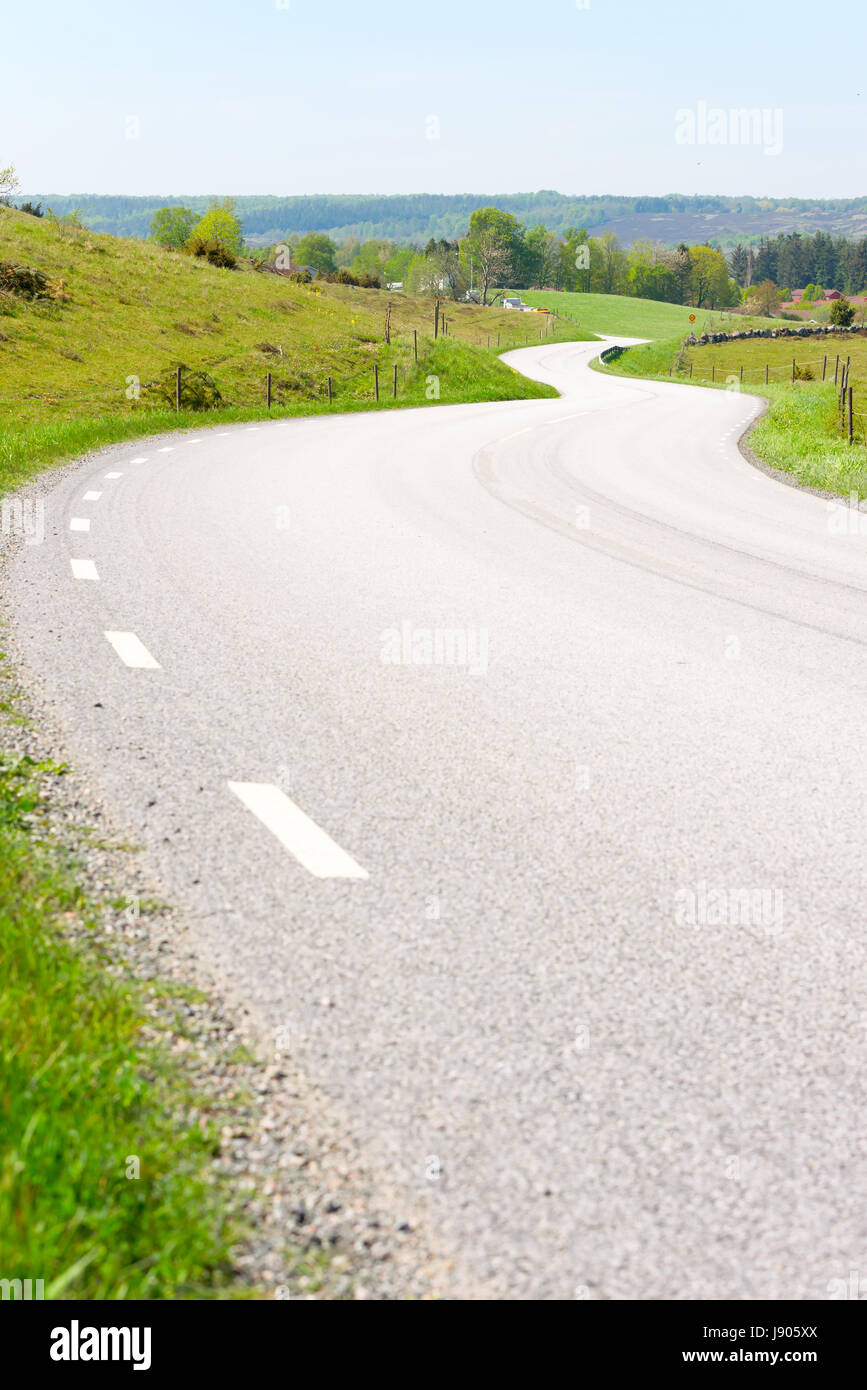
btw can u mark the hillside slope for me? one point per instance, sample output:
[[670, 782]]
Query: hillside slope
[[84, 363]]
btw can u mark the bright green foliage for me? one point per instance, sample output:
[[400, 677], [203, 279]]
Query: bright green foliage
[[172, 227], [220, 226], [841, 313], [317, 250]]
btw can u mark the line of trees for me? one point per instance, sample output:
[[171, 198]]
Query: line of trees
[[499, 251], [796, 260]]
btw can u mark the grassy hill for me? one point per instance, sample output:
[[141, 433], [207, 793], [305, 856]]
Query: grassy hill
[[617, 314], [117, 316]]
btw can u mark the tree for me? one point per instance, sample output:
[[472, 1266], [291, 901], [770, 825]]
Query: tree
[[220, 227], [574, 260], [8, 182], [395, 268], [318, 250], [654, 282], [842, 313], [493, 244], [678, 263], [710, 284], [614, 266], [439, 271], [765, 299], [172, 227], [541, 259], [739, 262]]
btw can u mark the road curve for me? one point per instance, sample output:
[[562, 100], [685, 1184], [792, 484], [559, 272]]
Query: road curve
[[509, 759]]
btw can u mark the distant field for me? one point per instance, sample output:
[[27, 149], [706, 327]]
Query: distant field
[[616, 314]]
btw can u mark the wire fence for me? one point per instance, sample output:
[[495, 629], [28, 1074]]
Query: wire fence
[[737, 373], [383, 381]]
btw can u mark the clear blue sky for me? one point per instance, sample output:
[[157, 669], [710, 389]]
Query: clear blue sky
[[247, 96]]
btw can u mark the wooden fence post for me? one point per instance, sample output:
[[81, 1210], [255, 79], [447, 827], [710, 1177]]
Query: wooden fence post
[[394, 392], [436, 320], [767, 369], [376, 381], [178, 389], [415, 342], [329, 391], [268, 391], [824, 366], [850, 414], [742, 373], [836, 368]]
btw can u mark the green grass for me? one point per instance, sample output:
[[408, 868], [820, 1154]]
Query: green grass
[[125, 311], [621, 315], [83, 1094], [800, 434]]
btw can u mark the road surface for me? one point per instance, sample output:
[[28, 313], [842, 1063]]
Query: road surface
[[509, 758]]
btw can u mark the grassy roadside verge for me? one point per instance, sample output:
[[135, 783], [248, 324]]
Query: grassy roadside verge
[[798, 435], [107, 1178], [460, 373]]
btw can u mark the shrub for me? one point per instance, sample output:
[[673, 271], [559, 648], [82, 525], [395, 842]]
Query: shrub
[[214, 252], [300, 277], [24, 280], [199, 391], [33, 209], [345, 277], [804, 374], [842, 313]]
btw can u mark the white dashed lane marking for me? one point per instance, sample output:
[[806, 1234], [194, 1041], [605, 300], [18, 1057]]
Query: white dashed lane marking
[[114, 475], [91, 497], [303, 838], [83, 569], [138, 460], [169, 449], [132, 651], [79, 523]]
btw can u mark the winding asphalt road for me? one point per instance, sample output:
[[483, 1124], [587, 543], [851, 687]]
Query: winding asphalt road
[[510, 760]]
